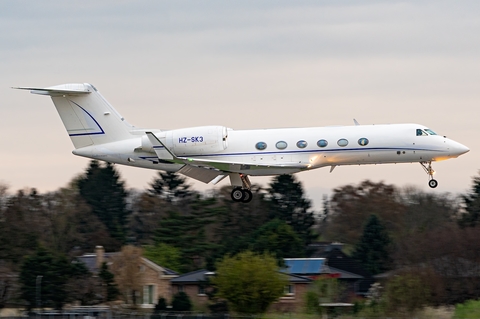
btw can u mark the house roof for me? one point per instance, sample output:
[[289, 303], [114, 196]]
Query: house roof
[[339, 260], [90, 260], [305, 266], [201, 275], [344, 274]]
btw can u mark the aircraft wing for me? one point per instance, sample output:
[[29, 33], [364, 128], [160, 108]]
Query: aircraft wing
[[207, 170]]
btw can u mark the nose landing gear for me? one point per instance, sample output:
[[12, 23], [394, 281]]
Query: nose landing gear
[[427, 166]]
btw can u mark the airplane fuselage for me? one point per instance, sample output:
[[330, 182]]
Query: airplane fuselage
[[290, 150]]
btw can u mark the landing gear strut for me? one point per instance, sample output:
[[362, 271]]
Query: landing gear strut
[[427, 166]]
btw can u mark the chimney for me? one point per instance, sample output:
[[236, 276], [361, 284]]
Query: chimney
[[100, 255]]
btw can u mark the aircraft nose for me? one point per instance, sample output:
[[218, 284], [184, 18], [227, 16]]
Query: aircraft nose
[[458, 149]]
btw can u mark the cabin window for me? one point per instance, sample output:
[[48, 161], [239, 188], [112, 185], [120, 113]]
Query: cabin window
[[363, 141], [429, 131], [261, 146], [322, 143], [342, 142], [281, 145], [302, 144], [421, 132]]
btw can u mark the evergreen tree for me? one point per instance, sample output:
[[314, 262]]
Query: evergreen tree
[[164, 255], [188, 233], [235, 223], [108, 280], [278, 239], [161, 305], [471, 217], [103, 190], [48, 274], [288, 203], [181, 302], [170, 186], [372, 249]]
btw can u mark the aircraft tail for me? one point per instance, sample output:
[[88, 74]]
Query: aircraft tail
[[86, 114]]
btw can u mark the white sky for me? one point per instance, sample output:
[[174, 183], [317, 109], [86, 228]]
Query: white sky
[[242, 64]]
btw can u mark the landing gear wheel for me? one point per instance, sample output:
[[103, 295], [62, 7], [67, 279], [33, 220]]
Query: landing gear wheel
[[247, 196], [432, 183], [238, 194]]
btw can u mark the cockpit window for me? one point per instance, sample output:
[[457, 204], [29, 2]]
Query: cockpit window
[[421, 132], [429, 131]]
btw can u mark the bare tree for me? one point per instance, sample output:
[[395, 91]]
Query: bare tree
[[126, 268]]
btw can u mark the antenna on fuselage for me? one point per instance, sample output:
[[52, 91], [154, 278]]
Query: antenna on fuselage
[[355, 121]]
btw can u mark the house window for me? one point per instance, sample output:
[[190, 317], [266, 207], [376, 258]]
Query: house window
[[180, 288], [201, 290], [289, 290], [148, 294]]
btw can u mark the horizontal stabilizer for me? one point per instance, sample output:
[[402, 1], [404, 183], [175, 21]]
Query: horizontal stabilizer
[[64, 89]]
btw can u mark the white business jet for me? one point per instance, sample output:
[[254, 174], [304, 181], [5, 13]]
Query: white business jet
[[211, 153]]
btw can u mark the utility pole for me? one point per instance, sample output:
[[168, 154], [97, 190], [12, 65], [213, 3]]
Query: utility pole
[[39, 291]]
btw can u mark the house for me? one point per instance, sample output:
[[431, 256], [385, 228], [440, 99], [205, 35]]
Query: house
[[195, 285], [154, 279], [345, 268]]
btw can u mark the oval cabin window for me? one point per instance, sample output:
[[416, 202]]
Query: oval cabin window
[[281, 145], [322, 143], [342, 142], [363, 141], [302, 144], [261, 146]]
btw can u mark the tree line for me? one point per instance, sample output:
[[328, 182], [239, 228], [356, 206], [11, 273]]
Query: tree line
[[429, 235]]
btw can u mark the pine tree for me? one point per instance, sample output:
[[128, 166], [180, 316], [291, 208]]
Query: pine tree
[[288, 203], [103, 190], [108, 281], [471, 217], [188, 233], [170, 186], [372, 249], [181, 302], [48, 274], [278, 239]]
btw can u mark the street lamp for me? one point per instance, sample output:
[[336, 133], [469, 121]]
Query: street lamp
[[38, 291]]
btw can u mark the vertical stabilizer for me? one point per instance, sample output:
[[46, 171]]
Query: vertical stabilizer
[[88, 118]]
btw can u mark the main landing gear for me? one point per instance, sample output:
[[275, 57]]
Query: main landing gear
[[241, 193], [427, 166]]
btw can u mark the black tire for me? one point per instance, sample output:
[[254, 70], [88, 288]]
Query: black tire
[[247, 196], [237, 194], [432, 183]]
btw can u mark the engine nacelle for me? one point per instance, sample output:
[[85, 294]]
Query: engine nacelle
[[197, 140]]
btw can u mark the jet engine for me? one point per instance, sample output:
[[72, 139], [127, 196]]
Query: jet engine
[[191, 141], [197, 140]]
